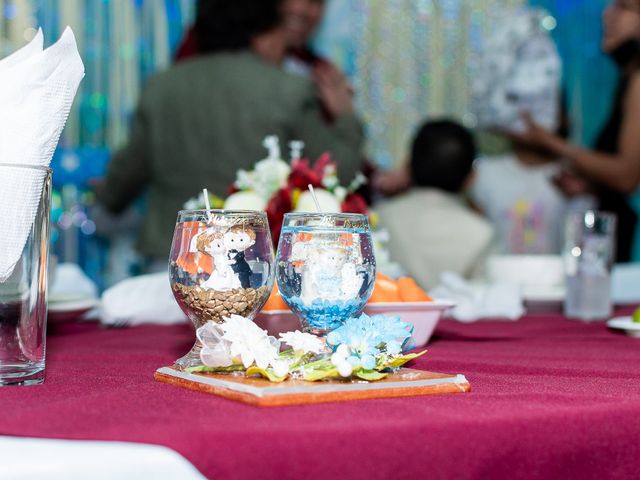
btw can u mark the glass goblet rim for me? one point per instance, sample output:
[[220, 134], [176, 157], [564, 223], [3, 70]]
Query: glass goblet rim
[[336, 215], [220, 211]]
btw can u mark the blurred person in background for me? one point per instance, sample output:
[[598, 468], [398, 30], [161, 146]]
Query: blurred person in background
[[516, 192], [520, 70], [612, 167], [301, 19], [203, 119], [431, 228]]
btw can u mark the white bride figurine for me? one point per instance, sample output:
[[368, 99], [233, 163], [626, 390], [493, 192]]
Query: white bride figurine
[[223, 277]]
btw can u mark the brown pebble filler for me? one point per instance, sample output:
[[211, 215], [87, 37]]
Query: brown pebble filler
[[213, 305]]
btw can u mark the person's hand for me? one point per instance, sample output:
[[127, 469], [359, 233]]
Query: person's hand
[[335, 91], [571, 183], [392, 182], [534, 135]]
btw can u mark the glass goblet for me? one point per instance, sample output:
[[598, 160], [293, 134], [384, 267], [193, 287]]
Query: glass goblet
[[325, 267], [221, 264]]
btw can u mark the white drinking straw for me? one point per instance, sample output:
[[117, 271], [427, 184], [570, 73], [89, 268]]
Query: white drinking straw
[[315, 199], [325, 219], [207, 205]]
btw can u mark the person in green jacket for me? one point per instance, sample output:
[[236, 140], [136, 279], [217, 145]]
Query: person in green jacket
[[203, 119]]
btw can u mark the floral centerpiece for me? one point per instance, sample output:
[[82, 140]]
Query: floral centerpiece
[[278, 187], [364, 348]]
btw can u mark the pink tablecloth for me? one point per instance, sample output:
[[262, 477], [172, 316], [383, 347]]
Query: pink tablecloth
[[550, 398]]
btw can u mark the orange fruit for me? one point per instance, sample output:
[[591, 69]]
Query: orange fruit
[[410, 291], [385, 290], [275, 301]]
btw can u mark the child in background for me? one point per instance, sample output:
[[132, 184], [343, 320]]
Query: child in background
[[516, 193], [431, 228], [520, 71]]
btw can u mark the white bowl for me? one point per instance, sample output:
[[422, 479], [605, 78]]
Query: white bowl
[[424, 316], [527, 271]]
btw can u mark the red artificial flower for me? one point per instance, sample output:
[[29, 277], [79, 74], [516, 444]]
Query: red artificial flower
[[322, 163], [302, 175], [279, 204], [354, 203]]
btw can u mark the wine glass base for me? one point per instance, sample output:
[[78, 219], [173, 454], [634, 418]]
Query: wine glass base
[[191, 359]]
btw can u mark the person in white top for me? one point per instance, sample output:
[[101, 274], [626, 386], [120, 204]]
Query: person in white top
[[431, 228], [517, 194]]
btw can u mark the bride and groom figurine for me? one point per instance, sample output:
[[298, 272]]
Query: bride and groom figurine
[[326, 273], [227, 249]]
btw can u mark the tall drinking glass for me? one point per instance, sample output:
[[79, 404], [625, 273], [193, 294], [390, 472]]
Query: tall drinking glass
[[588, 256], [23, 295], [325, 267], [221, 264]]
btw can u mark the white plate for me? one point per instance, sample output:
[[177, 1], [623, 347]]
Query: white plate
[[72, 306], [627, 324]]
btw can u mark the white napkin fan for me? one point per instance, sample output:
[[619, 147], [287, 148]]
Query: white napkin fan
[[37, 88]]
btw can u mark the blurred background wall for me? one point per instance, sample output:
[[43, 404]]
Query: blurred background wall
[[407, 59]]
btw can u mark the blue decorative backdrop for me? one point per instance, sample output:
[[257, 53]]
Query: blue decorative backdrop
[[407, 58], [589, 77]]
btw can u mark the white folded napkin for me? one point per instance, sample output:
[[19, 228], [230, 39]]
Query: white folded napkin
[[474, 302], [69, 282], [37, 88], [141, 300]]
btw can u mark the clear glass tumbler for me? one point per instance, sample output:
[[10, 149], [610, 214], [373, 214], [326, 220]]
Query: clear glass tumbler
[[588, 257], [23, 295], [221, 264], [325, 267]]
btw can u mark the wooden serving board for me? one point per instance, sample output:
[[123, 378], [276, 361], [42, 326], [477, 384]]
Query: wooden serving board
[[260, 392]]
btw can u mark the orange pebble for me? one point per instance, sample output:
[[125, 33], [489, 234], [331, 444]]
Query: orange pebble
[[304, 237], [410, 291], [275, 301], [385, 290]]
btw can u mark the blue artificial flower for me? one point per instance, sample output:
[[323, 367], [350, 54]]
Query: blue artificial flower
[[367, 337]]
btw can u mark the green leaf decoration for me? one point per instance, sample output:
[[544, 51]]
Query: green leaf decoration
[[369, 375], [400, 361], [205, 369], [267, 373], [319, 370], [287, 354]]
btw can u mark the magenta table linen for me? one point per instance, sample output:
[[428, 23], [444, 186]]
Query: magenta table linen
[[551, 398]]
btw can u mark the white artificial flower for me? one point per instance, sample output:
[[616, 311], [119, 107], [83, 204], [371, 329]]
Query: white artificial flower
[[271, 175], [250, 342], [303, 342], [330, 179], [280, 367], [192, 204], [340, 193], [245, 180], [215, 349], [245, 201], [340, 360], [358, 181], [328, 202]]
